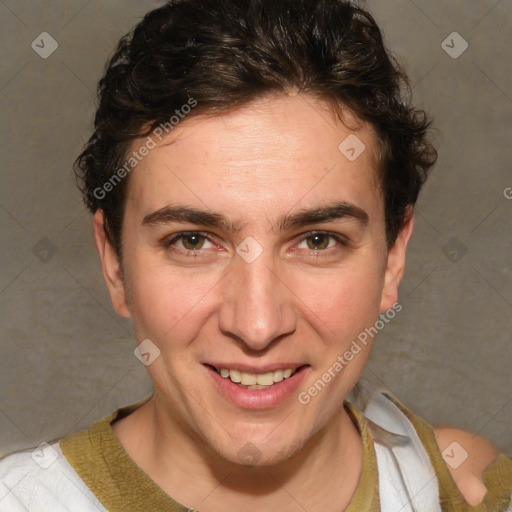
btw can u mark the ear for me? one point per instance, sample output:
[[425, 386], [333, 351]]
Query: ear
[[111, 266], [396, 264]]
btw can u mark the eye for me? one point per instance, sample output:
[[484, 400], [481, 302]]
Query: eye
[[322, 241], [194, 243], [188, 243], [318, 241]]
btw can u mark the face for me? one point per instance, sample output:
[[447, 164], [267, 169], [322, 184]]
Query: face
[[252, 244]]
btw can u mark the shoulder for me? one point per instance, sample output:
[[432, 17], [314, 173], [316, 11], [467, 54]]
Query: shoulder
[[37, 478], [467, 457], [461, 460]]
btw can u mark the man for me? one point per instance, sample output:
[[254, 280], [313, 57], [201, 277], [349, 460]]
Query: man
[[252, 175]]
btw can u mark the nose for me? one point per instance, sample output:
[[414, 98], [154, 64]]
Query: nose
[[257, 305]]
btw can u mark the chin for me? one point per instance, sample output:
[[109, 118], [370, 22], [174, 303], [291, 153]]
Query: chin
[[260, 453]]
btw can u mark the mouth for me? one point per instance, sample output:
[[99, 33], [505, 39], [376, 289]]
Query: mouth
[[254, 381], [263, 395], [249, 387]]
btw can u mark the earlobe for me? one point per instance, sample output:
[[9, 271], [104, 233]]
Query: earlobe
[[396, 264], [111, 266]]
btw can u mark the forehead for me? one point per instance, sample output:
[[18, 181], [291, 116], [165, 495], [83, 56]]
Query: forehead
[[273, 152]]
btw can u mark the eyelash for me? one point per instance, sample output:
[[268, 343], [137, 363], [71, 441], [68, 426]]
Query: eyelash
[[168, 243]]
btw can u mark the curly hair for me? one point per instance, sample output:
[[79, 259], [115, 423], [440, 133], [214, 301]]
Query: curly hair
[[223, 54]]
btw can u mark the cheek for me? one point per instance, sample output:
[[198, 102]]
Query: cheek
[[343, 300], [162, 299]]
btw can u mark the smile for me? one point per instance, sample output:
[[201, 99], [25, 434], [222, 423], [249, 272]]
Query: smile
[[256, 380], [249, 388]]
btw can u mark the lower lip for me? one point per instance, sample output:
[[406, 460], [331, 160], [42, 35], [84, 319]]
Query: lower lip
[[258, 398]]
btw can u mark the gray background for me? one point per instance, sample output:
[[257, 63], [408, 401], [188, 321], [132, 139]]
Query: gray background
[[67, 358]]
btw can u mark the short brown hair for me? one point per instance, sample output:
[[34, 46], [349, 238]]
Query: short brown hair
[[226, 53]]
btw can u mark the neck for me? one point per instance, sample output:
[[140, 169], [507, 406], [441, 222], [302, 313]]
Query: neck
[[321, 476]]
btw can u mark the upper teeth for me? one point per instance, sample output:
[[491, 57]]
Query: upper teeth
[[263, 379]]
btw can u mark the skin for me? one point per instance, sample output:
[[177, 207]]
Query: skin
[[272, 158], [469, 475]]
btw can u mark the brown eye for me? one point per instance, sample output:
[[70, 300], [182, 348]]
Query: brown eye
[[323, 244], [193, 241], [318, 241], [189, 243]]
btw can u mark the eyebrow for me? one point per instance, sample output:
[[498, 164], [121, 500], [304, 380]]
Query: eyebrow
[[338, 210]]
